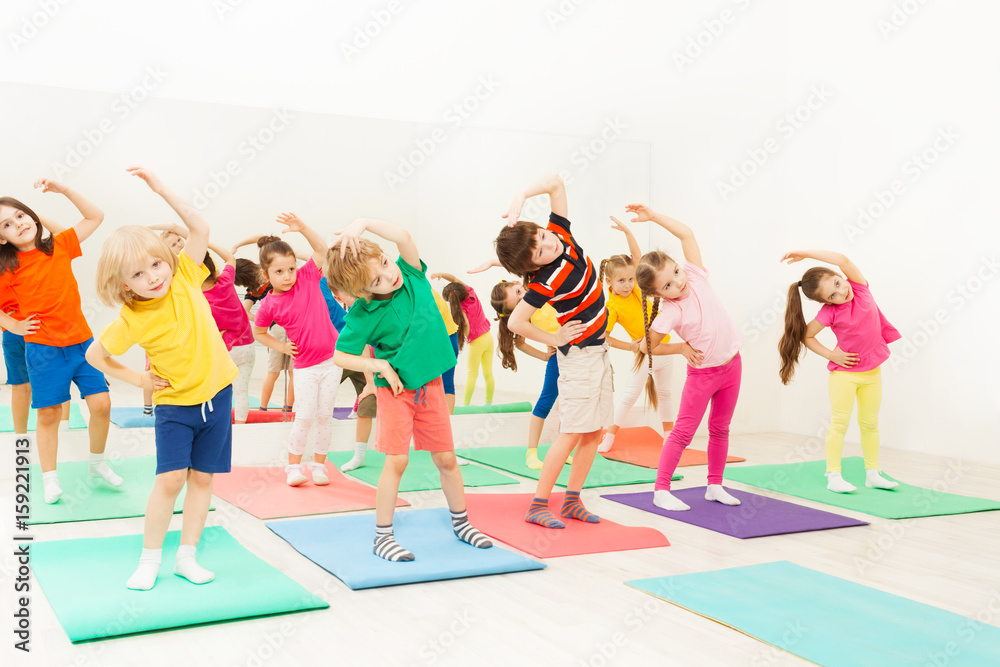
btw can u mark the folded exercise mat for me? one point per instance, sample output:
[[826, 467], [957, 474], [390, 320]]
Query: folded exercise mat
[[87, 498], [131, 418], [641, 446], [267, 416], [342, 545], [264, 493], [76, 419], [523, 406], [828, 620], [84, 582], [807, 480], [757, 516], [501, 516], [421, 473], [602, 473]]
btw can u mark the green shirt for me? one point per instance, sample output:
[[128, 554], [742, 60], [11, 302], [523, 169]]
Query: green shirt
[[406, 330]]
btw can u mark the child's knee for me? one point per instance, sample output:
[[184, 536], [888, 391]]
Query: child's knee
[[99, 405], [445, 461], [198, 479], [170, 483], [49, 416], [396, 463]]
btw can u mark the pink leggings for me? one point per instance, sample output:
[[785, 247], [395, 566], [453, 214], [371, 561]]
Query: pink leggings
[[721, 386]]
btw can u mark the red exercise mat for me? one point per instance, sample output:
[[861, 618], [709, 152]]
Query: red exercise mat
[[501, 516], [641, 446], [267, 416], [263, 492]]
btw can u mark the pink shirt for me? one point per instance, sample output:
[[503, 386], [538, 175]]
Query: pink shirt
[[228, 311], [700, 319], [861, 328], [478, 324], [302, 313]]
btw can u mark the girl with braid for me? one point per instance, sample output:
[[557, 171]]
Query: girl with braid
[[685, 303]]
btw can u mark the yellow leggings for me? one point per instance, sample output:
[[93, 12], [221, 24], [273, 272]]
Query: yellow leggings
[[844, 387], [480, 353]]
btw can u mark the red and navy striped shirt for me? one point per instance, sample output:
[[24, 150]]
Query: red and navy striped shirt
[[571, 286]]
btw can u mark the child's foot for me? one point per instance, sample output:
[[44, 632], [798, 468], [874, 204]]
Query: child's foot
[[835, 482], [538, 513], [388, 548], [188, 567], [50, 482], [295, 476], [663, 499], [98, 468], [147, 411], [572, 508], [466, 532], [531, 459], [720, 495], [606, 444], [875, 480], [144, 576], [319, 475], [358, 460]]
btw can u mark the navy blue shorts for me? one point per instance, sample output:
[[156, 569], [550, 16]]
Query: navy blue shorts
[[195, 436], [52, 369], [448, 377], [550, 390], [13, 357]]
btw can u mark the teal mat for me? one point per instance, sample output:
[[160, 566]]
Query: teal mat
[[421, 473], [7, 418], [84, 582], [87, 498], [255, 404], [523, 406], [807, 480], [827, 620], [604, 472]]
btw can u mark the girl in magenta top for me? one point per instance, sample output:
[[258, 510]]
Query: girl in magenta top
[[467, 311], [863, 335]]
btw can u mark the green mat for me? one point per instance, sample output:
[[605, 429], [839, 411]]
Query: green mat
[[7, 418], [523, 406], [421, 473], [87, 498], [255, 404], [84, 582], [806, 480], [604, 472]]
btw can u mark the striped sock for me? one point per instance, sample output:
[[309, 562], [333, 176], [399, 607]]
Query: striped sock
[[467, 532], [572, 508], [388, 548], [147, 411], [539, 513]]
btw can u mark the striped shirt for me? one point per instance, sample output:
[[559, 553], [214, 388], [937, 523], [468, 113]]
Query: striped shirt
[[571, 286]]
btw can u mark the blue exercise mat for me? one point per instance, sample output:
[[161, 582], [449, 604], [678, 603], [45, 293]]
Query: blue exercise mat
[[131, 418], [828, 620], [342, 545]]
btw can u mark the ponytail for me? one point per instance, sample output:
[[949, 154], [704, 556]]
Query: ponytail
[[455, 294], [647, 320], [790, 345], [505, 337]]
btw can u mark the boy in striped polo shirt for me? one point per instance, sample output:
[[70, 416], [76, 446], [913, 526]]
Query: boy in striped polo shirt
[[557, 271]]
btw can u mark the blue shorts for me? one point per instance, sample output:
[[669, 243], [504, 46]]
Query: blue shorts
[[195, 436], [448, 377], [550, 390], [51, 369], [13, 357]]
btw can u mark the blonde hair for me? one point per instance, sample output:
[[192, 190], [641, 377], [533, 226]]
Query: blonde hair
[[351, 274], [123, 251]]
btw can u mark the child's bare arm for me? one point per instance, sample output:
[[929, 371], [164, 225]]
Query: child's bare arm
[[294, 223], [198, 229], [689, 245], [350, 235], [839, 260], [92, 215], [357, 362], [99, 357], [551, 185]]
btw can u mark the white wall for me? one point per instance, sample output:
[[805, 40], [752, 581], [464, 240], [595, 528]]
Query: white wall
[[897, 73]]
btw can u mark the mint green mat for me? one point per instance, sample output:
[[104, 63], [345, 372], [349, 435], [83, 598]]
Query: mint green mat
[[421, 473], [807, 480], [7, 418], [604, 472], [84, 582], [523, 406], [827, 620], [87, 498], [255, 404]]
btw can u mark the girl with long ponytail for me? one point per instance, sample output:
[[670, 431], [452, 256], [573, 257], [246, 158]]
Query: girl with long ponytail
[[474, 329]]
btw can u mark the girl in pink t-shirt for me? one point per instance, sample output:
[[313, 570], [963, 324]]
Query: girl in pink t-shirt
[[297, 305], [688, 306], [850, 311], [467, 311]]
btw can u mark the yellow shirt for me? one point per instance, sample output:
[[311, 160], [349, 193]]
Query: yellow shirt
[[627, 311], [546, 319], [180, 337], [449, 321]]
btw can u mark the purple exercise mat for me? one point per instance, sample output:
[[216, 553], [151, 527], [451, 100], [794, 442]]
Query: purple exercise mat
[[758, 516], [342, 413]]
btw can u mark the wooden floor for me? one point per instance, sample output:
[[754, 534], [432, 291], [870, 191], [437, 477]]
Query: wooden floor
[[576, 612]]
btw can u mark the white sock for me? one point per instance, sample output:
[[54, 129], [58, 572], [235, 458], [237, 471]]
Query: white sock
[[98, 468], [358, 460], [720, 495], [668, 501], [835, 482], [318, 470], [50, 481], [874, 480], [187, 567], [144, 576], [295, 476], [607, 443]]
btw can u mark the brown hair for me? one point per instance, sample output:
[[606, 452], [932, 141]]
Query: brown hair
[[455, 294], [645, 276], [209, 263], [350, 274], [647, 319], [248, 275], [8, 253], [271, 247], [610, 265], [515, 246], [790, 345], [505, 337]]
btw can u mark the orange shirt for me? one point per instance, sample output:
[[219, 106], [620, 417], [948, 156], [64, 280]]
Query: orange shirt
[[44, 285]]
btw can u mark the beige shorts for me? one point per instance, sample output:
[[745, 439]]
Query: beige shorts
[[586, 387], [278, 361]]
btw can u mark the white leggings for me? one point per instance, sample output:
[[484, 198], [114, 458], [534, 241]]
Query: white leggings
[[663, 367], [315, 395], [242, 356]]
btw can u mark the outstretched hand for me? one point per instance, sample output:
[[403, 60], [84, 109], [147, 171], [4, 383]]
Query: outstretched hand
[[152, 180], [642, 212], [513, 214], [619, 225], [48, 185], [292, 222], [350, 237], [792, 257]]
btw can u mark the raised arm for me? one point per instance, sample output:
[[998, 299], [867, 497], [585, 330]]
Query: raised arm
[[293, 223], [51, 225], [197, 239], [441, 275], [689, 245], [839, 260], [488, 264], [92, 216], [386, 230], [552, 185], [250, 240], [633, 245]]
